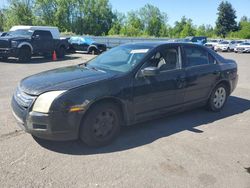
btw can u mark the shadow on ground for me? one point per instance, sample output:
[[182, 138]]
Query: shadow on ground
[[39, 59], [145, 133]]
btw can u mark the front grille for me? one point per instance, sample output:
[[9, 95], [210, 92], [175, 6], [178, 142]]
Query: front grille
[[24, 100], [4, 44]]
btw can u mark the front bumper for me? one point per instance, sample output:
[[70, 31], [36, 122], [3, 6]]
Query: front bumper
[[52, 126], [8, 52], [242, 50]]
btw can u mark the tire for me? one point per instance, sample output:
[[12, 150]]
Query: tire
[[218, 98], [93, 51], [24, 55], [101, 125], [61, 52]]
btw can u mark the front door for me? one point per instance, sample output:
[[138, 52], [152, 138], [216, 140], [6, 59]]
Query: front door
[[163, 92]]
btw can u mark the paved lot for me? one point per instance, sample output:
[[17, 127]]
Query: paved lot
[[193, 149]]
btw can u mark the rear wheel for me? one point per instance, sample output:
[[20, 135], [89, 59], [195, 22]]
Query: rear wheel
[[101, 125], [93, 51], [24, 55], [61, 52], [218, 98]]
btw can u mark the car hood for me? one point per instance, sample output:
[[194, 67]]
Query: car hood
[[8, 38], [62, 79]]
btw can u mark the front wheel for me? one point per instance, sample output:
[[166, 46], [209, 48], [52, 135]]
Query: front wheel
[[218, 98], [24, 55], [101, 125]]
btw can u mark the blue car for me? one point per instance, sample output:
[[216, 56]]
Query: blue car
[[86, 44]]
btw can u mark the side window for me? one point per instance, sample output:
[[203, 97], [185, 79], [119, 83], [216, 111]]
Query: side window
[[195, 56], [46, 35], [165, 59], [43, 34], [37, 33], [170, 59]]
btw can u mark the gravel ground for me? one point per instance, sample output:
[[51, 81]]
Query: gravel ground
[[193, 149]]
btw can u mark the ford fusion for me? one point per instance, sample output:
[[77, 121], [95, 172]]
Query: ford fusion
[[123, 86]]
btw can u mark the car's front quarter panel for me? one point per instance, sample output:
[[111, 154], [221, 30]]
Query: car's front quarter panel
[[117, 89]]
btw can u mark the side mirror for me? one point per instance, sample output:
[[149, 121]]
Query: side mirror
[[36, 37], [150, 71]]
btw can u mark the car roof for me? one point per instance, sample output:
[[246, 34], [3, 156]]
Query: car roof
[[160, 43]]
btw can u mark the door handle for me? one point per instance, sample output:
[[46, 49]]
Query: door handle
[[180, 82]]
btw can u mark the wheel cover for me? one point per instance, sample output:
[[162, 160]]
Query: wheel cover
[[219, 97], [104, 124]]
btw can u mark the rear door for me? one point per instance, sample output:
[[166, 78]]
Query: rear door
[[42, 41], [202, 71]]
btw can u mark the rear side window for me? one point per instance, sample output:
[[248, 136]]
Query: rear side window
[[195, 56], [43, 34]]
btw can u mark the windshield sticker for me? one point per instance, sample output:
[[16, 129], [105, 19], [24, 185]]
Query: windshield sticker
[[139, 51]]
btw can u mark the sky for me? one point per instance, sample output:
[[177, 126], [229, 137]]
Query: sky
[[200, 11]]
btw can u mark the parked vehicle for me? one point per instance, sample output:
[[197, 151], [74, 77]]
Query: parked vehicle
[[212, 43], [23, 42], [126, 85], [225, 46], [86, 44], [196, 40], [243, 47]]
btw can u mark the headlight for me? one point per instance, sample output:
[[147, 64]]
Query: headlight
[[13, 44], [44, 101]]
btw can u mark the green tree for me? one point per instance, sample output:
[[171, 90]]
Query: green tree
[[97, 17], [244, 32], [45, 11], [117, 23], [188, 30], [226, 19], [2, 20], [204, 30], [133, 25], [183, 28], [19, 13], [153, 19]]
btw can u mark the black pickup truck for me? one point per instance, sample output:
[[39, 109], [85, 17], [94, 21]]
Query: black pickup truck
[[22, 43]]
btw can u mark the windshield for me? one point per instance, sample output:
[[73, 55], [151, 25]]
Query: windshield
[[120, 59], [21, 32]]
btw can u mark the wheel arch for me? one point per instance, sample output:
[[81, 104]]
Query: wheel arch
[[26, 45], [91, 47], [112, 100], [224, 82]]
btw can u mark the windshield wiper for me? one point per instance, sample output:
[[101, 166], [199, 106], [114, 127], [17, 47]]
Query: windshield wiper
[[91, 67]]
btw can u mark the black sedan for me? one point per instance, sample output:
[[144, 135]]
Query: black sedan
[[85, 44], [123, 86]]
